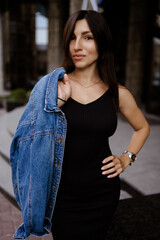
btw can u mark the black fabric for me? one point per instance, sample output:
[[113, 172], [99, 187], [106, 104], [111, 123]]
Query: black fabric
[[86, 199]]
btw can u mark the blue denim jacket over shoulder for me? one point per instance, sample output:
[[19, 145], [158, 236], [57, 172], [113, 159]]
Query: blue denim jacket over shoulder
[[36, 156]]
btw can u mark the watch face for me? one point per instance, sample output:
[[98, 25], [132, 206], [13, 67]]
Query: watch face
[[133, 157]]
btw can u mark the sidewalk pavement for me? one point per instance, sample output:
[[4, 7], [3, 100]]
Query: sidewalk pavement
[[140, 193], [10, 219]]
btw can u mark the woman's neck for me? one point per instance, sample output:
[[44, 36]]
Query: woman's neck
[[85, 76]]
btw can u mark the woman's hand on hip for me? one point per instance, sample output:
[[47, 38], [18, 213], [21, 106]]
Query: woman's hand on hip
[[64, 90], [113, 165]]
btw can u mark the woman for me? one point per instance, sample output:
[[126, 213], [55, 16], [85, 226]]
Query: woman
[[80, 202], [91, 99]]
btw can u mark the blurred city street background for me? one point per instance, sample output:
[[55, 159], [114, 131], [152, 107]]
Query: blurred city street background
[[31, 46]]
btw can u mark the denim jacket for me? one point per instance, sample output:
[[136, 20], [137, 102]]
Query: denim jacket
[[36, 156]]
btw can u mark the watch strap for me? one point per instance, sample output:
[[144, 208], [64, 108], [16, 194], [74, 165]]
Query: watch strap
[[131, 155]]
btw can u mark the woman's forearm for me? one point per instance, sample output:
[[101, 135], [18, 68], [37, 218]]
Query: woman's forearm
[[136, 143], [138, 139]]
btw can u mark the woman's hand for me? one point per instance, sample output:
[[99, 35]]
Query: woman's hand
[[114, 165], [64, 90]]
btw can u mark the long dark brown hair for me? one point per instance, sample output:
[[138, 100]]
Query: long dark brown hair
[[103, 39]]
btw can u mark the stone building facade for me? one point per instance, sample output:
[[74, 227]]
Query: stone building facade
[[135, 31]]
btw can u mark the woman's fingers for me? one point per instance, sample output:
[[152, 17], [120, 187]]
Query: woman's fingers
[[109, 165], [65, 79], [64, 88], [108, 159], [112, 167], [115, 174]]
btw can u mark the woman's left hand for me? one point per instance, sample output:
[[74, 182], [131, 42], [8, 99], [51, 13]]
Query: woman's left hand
[[113, 165]]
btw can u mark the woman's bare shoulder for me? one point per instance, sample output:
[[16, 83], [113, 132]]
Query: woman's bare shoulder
[[126, 98], [123, 91]]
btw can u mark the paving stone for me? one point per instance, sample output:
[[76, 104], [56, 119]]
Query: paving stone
[[10, 219], [137, 219]]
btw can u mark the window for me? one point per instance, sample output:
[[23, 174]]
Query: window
[[41, 36]]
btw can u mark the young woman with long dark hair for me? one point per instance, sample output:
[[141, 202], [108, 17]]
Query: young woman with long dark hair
[[91, 99], [68, 119]]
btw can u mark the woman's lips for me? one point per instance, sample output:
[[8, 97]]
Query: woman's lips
[[78, 56]]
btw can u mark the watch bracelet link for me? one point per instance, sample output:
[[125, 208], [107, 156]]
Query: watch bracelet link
[[131, 155]]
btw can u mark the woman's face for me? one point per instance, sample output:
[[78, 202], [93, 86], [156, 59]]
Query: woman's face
[[82, 47]]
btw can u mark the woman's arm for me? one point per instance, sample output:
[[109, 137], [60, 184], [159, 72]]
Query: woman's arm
[[132, 113], [136, 119]]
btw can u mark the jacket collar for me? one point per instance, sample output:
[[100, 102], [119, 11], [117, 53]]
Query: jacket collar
[[52, 90]]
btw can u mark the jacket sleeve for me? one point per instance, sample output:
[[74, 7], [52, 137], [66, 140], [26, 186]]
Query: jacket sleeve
[[22, 133], [31, 159], [20, 161]]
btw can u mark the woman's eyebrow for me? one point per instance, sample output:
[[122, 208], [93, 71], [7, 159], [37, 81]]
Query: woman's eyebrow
[[83, 33]]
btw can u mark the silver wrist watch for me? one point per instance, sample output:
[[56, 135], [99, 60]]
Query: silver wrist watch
[[131, 155]]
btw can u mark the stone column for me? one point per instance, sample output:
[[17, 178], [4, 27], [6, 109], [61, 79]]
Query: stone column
[[55, 54], [1, 58], [136, 47], [75, 5], [19, 40], [28, 51], [6, 50]]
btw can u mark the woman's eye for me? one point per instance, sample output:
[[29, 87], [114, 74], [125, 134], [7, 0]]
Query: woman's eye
[[89, 37]]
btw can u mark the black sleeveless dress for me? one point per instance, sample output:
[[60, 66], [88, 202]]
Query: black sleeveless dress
[[86, 199]]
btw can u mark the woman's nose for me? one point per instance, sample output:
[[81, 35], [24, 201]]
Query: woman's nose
[[77, 45]]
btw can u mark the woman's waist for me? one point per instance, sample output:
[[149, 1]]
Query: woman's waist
[[86, 154], [86, 182]]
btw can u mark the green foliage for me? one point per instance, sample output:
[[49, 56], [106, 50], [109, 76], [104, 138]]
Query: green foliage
[[18, 94]]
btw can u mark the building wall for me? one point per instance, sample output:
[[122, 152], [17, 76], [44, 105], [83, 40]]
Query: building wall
[[58, 11], [54, 46], [75, 5], [19, 45], [1, 58], [136, 47]]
